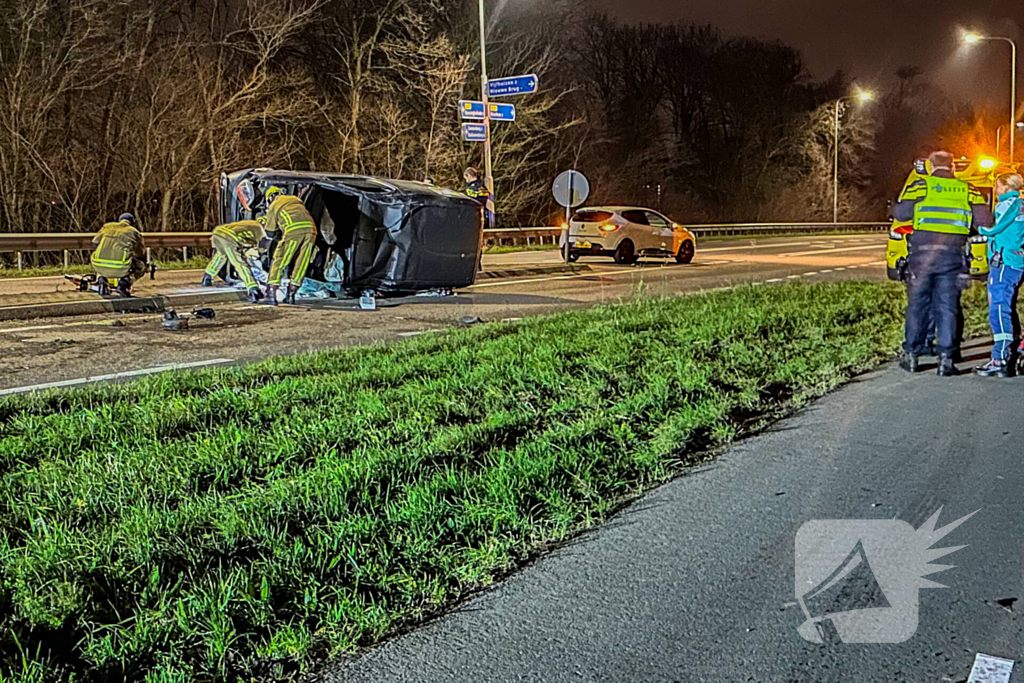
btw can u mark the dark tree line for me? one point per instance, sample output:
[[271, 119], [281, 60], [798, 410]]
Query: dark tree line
[[139, 105]]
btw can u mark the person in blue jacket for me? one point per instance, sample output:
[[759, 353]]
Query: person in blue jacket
[[1006, 268]]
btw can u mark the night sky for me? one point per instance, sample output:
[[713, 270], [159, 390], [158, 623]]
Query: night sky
[[869, 39]]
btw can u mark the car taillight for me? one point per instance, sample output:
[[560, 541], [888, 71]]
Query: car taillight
[[608, 227]]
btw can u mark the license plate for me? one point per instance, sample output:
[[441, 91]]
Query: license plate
[[584, 245]]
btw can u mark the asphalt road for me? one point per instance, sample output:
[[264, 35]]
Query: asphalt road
[[70, 349], [695, 581]]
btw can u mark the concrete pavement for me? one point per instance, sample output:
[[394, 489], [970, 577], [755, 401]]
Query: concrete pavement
[[695, 581]]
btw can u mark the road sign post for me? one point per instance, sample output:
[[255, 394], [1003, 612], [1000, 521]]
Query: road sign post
[[570, 189]]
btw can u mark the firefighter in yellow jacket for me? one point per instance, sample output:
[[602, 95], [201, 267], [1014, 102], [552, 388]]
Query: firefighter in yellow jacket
[[290, 217], [230, 242], [120, 254]]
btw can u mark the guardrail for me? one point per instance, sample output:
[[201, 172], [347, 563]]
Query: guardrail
[[67, 242], [513, 236]]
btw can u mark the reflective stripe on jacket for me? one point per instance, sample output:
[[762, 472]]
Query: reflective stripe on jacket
[[287, 213], [116, 245], [945, 207], [247, 234]]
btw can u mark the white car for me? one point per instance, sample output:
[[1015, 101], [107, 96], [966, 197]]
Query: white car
[[626, 233]]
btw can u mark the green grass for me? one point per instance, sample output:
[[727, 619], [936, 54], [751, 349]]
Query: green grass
[[194, 263], [248, 522]]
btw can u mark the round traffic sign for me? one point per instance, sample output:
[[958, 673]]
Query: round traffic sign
[[570, 188]]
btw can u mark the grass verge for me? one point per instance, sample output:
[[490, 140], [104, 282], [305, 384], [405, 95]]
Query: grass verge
[[242, 523]]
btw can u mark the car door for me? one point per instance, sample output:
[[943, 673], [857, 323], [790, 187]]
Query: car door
[[638, 230], [661, 231]]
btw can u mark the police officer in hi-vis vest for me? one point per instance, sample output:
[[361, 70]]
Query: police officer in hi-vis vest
[[943, 210]]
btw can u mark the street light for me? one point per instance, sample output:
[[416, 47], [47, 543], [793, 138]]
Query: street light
[[864, 96], [974, 38]]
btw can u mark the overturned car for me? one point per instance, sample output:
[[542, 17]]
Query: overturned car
[[391, 236]]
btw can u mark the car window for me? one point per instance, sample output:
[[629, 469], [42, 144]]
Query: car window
[[592, 216], [637, 217], [657, 220]]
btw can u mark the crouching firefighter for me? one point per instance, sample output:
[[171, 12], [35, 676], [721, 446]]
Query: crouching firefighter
[[120, 254], [290, 218], [230, 242]]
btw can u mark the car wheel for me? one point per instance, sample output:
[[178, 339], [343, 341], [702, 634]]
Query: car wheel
[[625, 252], [568, 255], [685, 253]]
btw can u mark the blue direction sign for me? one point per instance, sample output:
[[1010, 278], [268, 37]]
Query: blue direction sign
[[500, 111], [474, 132], [513, 85], [471, 109]]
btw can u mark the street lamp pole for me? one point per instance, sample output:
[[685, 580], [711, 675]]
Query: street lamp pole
[[835, 170], [488, 177], [974, 38], [863, 96]]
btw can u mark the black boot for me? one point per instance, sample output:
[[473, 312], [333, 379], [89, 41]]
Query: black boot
[[271, 295], [290, 297], [102, 286], [124, 286], [908, 362], [994, 368], [255, 295], [946, 367], [207, 281]]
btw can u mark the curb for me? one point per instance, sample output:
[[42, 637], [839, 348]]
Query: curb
[[149, 304], [537, 270], [159, 304]]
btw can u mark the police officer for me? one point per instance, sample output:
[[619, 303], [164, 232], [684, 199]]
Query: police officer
[[943, 210], [230, 242], [120, 253], [477, 189], [289, 216]]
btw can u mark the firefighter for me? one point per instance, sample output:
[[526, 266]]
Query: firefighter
[[230, 242], [943, 210], [120, 254], [289, 217]]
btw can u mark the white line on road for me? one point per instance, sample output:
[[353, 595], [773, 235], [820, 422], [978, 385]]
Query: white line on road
[[773, 280], [819, 252], [757, 246], [117, 375], [813, 272]]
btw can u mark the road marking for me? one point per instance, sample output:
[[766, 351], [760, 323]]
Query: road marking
[[792, 277], [756, 246], [117, 375], [813, 272], [819, 252], [989, 669], [418, 332], [825, 271], [36, 328], [773, 280]]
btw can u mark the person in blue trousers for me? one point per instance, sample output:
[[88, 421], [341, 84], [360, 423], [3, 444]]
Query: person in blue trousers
[[1006, 268]]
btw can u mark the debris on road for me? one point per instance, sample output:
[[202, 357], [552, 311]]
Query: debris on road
[[173, 322], [204, 313], [468, 320], [117, 323]]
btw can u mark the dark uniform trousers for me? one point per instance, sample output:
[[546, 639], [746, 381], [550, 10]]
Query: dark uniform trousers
[[936, 262]]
